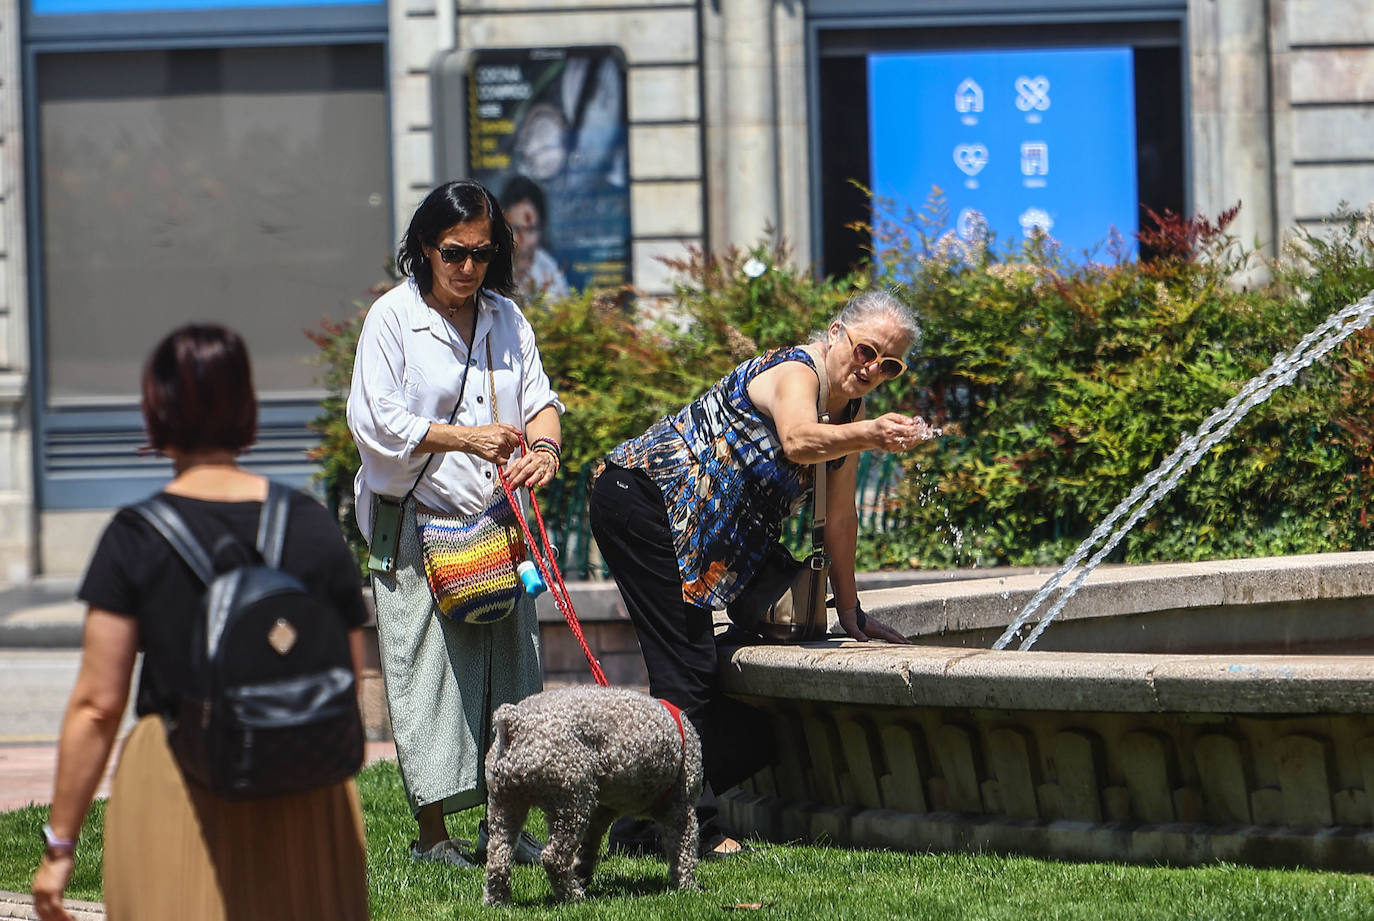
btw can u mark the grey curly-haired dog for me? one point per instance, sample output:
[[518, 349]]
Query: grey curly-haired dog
[[586, 756]]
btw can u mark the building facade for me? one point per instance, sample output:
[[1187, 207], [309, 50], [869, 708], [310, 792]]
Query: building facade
[[169, 160]]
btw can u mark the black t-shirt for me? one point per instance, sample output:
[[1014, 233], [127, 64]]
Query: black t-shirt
[[135, 572]]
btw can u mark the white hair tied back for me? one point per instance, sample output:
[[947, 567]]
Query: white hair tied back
[[867, 306]]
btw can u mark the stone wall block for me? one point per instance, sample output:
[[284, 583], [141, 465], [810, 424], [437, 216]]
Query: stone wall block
[[991, 792], [749, 813], [1146, 762], [794, 764], [663, 94], [823, 743], [1223, 767], [1116, 803], [665, 152], [666, 208], [939, 795], [1304, 764], [559, 656], [862, 751], [418, 42], [650, 36], [1364, 753], [1080, 764], [651, 274], [961, 765], [794, 821], [1188, 804], [831, 825], [1351, 807], [1311, 22], [372, 703], [1266, 806], [908, 766], [1013, 761], [1333, 75], [1319, 189], [764, 782], [1334, 133], [1051, 799]]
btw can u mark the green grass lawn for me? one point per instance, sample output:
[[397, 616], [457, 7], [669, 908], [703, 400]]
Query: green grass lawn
[[785, 881]]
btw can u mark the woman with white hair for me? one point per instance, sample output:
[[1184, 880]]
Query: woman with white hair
[[684, 513]]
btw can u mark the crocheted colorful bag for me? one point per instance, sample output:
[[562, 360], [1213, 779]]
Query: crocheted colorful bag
[[470, 560]]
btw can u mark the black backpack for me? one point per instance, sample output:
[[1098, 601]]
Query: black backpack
[[273, 707]]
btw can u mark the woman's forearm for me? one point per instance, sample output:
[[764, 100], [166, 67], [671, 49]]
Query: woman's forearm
[[109, 645], [83, 750], [442, 438], [545, 424], [815, 442], [841, 542]]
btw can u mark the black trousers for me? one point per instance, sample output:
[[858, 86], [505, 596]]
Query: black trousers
[[630, 522]]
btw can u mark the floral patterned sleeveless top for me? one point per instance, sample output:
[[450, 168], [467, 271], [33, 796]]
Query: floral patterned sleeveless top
[[725, 481]]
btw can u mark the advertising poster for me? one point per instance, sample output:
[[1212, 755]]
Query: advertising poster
[[548, 134], [1017, 139]]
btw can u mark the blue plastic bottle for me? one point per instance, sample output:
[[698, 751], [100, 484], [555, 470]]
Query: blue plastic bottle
[[529, 576]]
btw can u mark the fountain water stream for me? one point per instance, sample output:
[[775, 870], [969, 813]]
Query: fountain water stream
[[1162, 480]]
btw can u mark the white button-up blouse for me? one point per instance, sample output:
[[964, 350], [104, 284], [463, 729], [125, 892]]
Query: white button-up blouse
[[406, 375]]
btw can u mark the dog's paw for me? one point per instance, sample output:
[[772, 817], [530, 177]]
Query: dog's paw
[[572, 893], [492, 896], [688, 884]]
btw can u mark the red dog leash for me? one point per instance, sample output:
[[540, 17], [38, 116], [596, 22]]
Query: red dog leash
[[547, 563]]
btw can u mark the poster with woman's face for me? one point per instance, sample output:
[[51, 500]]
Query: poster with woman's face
[[548, 133]]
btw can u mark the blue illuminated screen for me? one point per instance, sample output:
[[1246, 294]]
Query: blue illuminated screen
[[1037, 138]]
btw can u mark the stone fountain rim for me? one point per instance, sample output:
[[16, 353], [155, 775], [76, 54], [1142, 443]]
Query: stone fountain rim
[[933, 608], [843, 671]]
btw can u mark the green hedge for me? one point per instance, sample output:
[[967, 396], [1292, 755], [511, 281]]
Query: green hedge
[[1060, 386], [1059, 383]]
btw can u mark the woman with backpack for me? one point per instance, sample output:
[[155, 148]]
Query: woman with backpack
[[173, 848]]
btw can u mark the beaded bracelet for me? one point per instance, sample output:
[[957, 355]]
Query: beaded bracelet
[[549, 449]]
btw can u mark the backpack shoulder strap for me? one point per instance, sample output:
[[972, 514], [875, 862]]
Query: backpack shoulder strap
[[169, 523], [272, 523]]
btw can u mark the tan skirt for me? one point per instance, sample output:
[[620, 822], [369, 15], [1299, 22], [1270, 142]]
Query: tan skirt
[[175, 851]]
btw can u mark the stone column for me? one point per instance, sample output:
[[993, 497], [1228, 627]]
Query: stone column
[[794, 143], [17, 554], [748, 122], [1231, 128]]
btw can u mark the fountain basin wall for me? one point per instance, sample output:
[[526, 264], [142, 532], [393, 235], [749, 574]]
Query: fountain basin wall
[[1144, 756]]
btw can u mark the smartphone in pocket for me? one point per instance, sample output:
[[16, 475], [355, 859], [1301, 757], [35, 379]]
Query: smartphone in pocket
[[386, 533]]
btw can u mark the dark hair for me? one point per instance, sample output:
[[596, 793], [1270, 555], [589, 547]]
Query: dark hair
[[198, 391], [523, 188], [457, 203]]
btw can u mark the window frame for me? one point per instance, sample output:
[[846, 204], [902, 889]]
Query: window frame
[[839, 27], [82, 454]]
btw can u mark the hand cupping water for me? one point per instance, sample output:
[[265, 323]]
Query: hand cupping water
[[898, 432]]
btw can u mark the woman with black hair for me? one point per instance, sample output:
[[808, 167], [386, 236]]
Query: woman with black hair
[[446, 381]]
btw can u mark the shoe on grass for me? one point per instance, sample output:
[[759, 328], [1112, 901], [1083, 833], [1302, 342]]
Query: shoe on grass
[[446, 851], [527, 847], [634, 838], [719, 848]]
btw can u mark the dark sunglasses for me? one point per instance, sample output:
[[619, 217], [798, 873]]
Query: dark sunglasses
[[457, 255], [866, 353]]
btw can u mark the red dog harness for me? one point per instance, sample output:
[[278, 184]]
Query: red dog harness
[[676, 713]]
